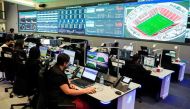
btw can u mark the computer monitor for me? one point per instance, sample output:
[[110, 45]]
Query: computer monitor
[[144, 48], [172, 53], [98, 61], [71, 55], [43, 51], [90, 73], [124, 54], [45, 41], [55, 42], [149, 61], [128, 48]]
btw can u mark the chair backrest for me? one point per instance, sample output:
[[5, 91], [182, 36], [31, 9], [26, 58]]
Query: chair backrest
[[7, 62], [166, 62], [133, 71], [42, 102], [20, 82]]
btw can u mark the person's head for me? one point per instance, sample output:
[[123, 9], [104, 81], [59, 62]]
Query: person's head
[[19, 44], [11, 30], [34, 53], [63, 60], [135, 58], [9, 40]]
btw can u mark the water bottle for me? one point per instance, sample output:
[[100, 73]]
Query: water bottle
[[102, 79]]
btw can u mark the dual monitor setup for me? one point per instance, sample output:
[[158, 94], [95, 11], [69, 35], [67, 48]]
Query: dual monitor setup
[[152, 61]]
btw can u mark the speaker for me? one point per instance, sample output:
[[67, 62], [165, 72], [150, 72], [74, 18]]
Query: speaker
[[42, 5]]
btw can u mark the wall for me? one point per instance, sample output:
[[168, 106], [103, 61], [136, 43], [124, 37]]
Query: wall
[[62, 3], [184, 52], [11, 16]]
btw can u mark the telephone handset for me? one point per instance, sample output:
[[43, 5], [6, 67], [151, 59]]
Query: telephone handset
[[124, 79]]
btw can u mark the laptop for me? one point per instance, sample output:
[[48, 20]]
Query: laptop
[[87, 79]]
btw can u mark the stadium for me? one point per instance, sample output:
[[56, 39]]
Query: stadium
[[162, 21]]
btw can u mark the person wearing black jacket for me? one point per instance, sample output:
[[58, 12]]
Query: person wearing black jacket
[[138, 73], [60, 89], [33, 66]]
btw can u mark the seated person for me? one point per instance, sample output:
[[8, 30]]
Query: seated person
[[59, 87], [135, 62], [19, 51], [33, 66], [9, 42], [136, 71]]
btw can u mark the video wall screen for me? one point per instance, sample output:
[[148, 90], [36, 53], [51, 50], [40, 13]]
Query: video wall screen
[[159, 20], [105, 20], [47, 21], [27, 21], [71, 21]]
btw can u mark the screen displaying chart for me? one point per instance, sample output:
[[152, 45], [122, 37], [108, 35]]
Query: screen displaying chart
[[47, 21], [27, 21], [71, 21], [104, 20]]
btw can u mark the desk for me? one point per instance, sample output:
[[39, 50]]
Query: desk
[[125, 100], [107, 94], [181, 71], [116, 64], [164, 76]]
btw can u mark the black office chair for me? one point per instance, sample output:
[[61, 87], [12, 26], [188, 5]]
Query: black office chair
[[166, 62], [7, 65], [138, 75], [43, 101], [21, 86]]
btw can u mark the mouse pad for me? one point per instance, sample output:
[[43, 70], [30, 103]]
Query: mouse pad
[[122, 87]]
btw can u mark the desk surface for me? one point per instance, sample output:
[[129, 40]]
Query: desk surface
[[162, 74], [108, 93], [179, 63]]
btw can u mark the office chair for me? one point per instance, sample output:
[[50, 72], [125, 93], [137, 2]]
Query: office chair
[[43, 101], [21, 88], [138, 76], [7, 64], [166, 62]]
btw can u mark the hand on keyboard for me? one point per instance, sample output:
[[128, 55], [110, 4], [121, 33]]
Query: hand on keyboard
[[90, 90], [72, 86]]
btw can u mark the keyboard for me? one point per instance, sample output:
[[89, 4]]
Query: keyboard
[[82, 83]]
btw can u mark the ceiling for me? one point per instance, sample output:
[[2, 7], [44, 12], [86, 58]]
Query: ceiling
[[55, 3]]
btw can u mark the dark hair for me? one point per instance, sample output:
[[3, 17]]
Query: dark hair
[[34, 53], [8, 38], [135, 58], [19, 44], [62, 58], [11, 30]]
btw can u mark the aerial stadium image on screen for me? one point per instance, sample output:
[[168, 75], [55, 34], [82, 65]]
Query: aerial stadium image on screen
[[97, 60], [165, 21]]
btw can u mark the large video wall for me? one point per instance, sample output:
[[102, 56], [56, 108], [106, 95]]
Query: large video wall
[[160, 20]]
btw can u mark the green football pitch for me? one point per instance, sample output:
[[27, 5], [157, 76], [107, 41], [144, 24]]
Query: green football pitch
[[154, 24]]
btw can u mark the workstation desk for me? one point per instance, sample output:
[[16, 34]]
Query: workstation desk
[[106, 94]]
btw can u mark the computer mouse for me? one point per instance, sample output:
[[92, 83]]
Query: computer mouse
[[118, 92]]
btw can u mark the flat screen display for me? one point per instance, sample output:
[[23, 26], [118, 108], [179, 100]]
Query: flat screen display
[[149, 61], [90, 74], [71, 21], [158, 21], [71, 55], [47, 21], [105, 20], [97, 60], [27, 21]]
